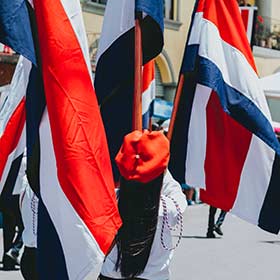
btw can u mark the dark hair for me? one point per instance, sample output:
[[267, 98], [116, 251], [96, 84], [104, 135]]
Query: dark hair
[[138, 207]]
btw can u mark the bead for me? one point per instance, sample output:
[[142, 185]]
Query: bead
[[165, 222]]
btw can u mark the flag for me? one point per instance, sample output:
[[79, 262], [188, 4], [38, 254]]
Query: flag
[[68, 161], [12, 124], [114, 77], [15, 33], [15, 30], [248, 15], [149, 92], [223, 140]]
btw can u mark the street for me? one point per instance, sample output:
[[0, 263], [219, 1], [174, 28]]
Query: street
[[245, 252]]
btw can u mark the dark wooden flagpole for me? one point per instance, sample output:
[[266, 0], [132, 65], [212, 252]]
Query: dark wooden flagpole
[[138, 83]]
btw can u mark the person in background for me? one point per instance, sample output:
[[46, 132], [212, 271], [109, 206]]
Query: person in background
[[215, 226], [165, 126], [243, 3], [189, 193], [12, 222]]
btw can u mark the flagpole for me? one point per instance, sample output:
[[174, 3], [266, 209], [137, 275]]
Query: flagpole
[[137, 100], [175, 106]]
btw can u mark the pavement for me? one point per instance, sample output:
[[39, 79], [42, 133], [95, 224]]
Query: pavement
[[245, 252]]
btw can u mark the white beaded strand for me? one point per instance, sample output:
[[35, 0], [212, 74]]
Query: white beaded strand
[[165, 223]]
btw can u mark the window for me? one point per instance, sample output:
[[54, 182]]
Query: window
[[169, 9], [100, 1]]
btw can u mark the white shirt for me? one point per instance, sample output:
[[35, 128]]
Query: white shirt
[[29, 213], [158, 264]]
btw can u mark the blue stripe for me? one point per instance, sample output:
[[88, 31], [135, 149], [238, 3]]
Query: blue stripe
[[154, 8], [269, 219], [15, 28], [51, 260], [235, 104], [35, 104], [146, 119], [114, 82], [189, 58], [179, 141]]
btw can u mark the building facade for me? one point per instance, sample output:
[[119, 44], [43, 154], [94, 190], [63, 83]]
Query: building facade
[[267, 52], [266, 43]]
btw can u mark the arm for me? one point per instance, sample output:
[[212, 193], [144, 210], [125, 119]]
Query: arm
[[172, 192]]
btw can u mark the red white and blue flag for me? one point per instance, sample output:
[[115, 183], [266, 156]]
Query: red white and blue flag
[[114, 78], [149, 91], [223, 140], [68, 162], [248, 15], [12, 123]]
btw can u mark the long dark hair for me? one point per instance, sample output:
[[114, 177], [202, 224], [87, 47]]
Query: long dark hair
[[138, 207]]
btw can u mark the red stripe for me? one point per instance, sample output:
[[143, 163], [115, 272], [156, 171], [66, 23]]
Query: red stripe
[[12, 133], [200, 6], [227, 146], [245, 18], [226, 16], [148, 74], [82, 157]]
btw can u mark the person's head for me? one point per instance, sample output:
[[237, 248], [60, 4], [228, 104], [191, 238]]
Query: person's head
[[241, 2], [142, 161], [165, 126]]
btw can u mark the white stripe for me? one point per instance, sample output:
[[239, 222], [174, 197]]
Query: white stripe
[[148, 96], [236, 70], [254, 181], [12, 156], [74, 14], [196, 149], [118, 19], [81, 251], [16, 92], [250, 25]]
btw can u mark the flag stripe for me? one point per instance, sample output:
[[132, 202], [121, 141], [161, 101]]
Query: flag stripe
[[148, 96], [87, 251], [153, 8], [197, 138], [75, 129], [225, 15], [74, 14], [223, 186], [254, 181], [15, 29], [179, 141], [149, 90], [49, 267], [12, 156], [123, 20], [238, 106], [148, 74], [230, 64], [268, 219], [12, 134]]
